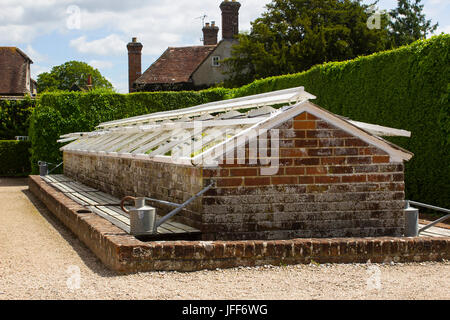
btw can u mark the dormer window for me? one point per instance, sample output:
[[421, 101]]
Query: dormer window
[[216, 61]]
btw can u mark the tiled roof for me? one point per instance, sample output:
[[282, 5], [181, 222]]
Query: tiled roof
[[176, 65], [13, 70]]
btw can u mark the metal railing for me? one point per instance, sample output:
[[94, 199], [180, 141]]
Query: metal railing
[[428, 206]]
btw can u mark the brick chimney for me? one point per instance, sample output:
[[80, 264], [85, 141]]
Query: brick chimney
[[89, 82], [230, 19], [210, 33], [134, 62]]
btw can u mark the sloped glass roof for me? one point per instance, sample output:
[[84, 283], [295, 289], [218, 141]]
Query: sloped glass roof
[[189, 133]]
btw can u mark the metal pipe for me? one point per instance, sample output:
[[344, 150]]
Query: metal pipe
[[164, 202], [55, 167], [428, 206], [434, 223], [424, 205], [182, 206]]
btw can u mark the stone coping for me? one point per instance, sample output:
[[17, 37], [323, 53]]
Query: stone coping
[[123, 253]]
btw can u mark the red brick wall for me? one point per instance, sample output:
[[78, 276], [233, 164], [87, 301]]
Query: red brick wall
[[329, 184], [128, 177]]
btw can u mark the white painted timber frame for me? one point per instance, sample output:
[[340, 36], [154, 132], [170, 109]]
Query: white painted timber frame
[[169, 136]]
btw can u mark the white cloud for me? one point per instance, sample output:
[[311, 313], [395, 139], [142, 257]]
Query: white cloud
[[121, 87], [100, 64], [34, 55], [110, 45], [38, 69], [445, 29], [159, 24], [435, 2]]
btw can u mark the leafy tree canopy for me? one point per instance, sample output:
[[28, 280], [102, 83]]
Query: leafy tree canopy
[[70, 74], [294, 35], [408, 23]]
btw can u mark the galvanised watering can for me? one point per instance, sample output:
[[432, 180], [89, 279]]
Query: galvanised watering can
[[142, 217]]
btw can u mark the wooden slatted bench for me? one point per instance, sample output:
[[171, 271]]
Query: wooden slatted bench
[[108, 207]]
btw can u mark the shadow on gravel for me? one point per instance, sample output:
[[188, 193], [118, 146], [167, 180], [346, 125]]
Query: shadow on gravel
[[90, 260], [13, 182]]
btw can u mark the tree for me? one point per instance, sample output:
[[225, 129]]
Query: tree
[[408, 23], [294, 35], [71, 73]]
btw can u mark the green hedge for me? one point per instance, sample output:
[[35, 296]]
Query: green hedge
[[61, 113], [14, 117], [406, 88], [14, 158]]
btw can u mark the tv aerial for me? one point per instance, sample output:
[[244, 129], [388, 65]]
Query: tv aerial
[[203, 17]]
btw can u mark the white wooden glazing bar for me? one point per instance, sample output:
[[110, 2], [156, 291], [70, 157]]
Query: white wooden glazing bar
[[380, 130], [67, 139], [75, 134], [99, 144], [113, 143], [84, 139], [201, 139], [73, 145], [223, 144], [95, 145], [272, 98], [175, 141], [133, 145], [214, 139], [127, 139], [90, 141], [85, 143], [145, 148], [189, 125]]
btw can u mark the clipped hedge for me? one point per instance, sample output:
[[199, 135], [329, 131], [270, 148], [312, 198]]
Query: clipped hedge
[[14, 158], [14, 117], [406, 88], [66, 112]]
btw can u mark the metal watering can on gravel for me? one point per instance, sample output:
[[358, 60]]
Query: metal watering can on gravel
[[142, 217]]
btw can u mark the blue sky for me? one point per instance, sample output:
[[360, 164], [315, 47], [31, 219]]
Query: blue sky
[[52, 32]]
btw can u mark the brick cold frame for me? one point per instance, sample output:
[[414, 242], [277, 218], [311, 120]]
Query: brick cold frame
[[329, 184]]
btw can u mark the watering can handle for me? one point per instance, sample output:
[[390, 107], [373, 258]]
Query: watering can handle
[[123, 202]]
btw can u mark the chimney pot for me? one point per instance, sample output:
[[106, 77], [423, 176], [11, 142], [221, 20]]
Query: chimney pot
[[210, 33]]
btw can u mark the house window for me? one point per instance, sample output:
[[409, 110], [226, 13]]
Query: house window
[[216, 61]]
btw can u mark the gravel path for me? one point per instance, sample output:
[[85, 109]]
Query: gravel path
[[40, 259]]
